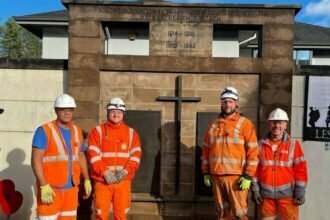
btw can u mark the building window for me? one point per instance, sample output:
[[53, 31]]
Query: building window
[[126, 38], [302, 57], [236, 41], [320, 57]]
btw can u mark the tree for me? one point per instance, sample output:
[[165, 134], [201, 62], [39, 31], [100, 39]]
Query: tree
[[16, 42]]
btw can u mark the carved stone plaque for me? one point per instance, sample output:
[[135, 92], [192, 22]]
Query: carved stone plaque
[[180, 39]]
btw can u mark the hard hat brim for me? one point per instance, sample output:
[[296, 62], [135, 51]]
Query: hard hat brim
[[230, 96]]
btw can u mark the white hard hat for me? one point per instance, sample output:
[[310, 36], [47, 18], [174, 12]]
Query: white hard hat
[[229, 92], [278, 115], [116, 103], [64, 101]]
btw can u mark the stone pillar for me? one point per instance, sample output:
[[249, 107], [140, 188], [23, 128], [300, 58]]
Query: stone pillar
[[276, 78], [86, 44]]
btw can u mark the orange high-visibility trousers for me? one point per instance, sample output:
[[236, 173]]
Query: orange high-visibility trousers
[[63, 207], [285, 208], [119, 195], [229, 198]]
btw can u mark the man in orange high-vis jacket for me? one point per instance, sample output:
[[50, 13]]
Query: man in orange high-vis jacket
[[281, 178], [58, 158], [230, 157], [114, 152]]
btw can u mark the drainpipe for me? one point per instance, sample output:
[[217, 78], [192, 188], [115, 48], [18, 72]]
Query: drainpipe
[[249, 39]]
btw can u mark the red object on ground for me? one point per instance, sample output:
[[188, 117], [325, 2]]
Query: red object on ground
[[10, 200]]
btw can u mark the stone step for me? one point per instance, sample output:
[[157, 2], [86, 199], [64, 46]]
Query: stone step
[[155, 217]]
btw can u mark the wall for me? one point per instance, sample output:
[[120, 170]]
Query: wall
[[55, 43], [30, 106], [27, 97], [318, 159], [180, 44], [320, 61]]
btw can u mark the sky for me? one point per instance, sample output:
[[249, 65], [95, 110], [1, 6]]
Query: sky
[[313, 11]]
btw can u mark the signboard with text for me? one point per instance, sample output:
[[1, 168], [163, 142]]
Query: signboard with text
[[317, 109]]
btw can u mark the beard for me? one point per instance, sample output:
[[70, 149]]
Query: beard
[[228, 111]]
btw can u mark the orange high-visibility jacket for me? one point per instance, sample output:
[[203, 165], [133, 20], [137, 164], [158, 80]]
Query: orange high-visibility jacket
[[114, 147], [230, 147], [282, 173], [56, 160]]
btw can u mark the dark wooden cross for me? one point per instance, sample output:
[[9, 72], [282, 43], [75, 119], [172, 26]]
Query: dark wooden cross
[[178, 99]]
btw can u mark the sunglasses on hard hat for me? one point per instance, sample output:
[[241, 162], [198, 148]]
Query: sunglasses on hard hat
[[229, 91], [117, 105]]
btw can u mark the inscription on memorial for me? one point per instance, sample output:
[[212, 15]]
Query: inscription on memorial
[[191, 39], [185, 14]]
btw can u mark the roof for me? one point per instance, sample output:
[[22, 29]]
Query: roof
[[306, 35], [36, 22], [167, 3], [46, 16], [312, 35]]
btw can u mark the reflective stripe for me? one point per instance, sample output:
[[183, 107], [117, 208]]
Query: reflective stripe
[[301, 183], [284, 164], [230, 140], [266, 186], [112, 168], [76, 133], [135, 149], [98, 211], [136, 159], [94, 148], [57, 139], [124, 155], [241, 212], [272, 188], [282, 187], [237, 129], [99, 131], [216, 159], [252, 144], [205, 162], [254, 179], [252, 162], [55, 158], [68, 213], [75, 158], [48, 217], [277, 163], [114, 154], [211, 138], [299, 160], [269, 218], [292, 148], [94, 159], [131, 131], [289, 163], [76, 140]]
